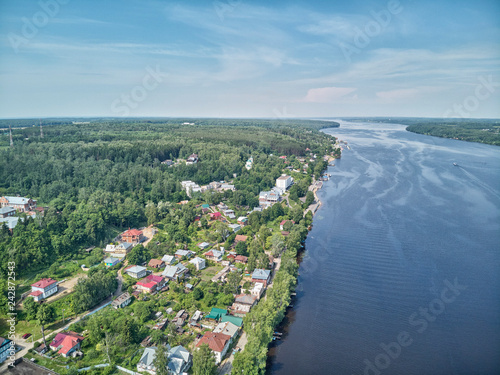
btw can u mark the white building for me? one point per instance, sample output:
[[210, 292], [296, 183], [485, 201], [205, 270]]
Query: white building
[[284, 182], [43, 289], [198, 262]]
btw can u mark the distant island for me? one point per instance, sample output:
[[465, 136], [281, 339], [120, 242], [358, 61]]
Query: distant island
[[470, 130]]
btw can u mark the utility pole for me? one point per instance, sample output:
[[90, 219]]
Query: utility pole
[[11, 141]]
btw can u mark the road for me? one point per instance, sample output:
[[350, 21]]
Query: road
[[120, 279]]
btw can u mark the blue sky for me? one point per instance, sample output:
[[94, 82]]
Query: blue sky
[[241, 58]]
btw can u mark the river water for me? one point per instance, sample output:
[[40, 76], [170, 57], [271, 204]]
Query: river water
[[401, 269]]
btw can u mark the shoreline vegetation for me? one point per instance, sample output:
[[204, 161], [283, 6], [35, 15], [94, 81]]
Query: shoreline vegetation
[[95, 180], [485, 131]]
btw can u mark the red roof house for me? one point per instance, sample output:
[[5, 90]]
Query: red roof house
[[66, 342], [156, 263], [241, 259], [217, 342], [132, 236], [215, 216], [240, 237], [43, 289], [151, 283]]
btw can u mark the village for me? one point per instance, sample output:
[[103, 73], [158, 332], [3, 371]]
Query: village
[[200, 293]]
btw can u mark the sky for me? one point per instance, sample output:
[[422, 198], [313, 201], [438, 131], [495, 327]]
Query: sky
[[242, 58]]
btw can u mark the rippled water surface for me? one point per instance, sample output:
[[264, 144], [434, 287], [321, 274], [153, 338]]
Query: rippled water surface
[[401, 271]]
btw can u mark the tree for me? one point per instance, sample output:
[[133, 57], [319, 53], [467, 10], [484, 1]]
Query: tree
[[45, 315], [241, 248], [151, 213], [204, 361], [161, 360], [232, 282], [30, 307], [309, 198]]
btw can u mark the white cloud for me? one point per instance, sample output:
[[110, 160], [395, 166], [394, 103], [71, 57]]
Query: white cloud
[[327, 94], [394, 95]]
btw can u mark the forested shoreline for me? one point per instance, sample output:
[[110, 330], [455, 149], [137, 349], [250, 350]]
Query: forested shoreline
[[470, 130]]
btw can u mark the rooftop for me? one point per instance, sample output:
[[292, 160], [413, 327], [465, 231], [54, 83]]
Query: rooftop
[[43, 283]]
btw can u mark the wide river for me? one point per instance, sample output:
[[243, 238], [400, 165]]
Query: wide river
[[401, 269]]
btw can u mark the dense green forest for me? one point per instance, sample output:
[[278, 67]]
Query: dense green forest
[[470, 130], [97, 178]]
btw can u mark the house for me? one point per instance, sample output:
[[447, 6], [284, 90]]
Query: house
[[121, 301], [284, 182], [18, 203], [167, 162], [241, 259], [5, 347], [233, 319], [215, 215], [7, 211], [161, 325], [110, 261], [179, 254], [257, 290], [198, 262], [66, 343], [222, 206], [192, 159], [268, 198], [137, 272], [204, 245], [229, 214], [240, 237], [169, 260], [110, 248], [261, 276], [217, 342], [190, 187], [231, 256], [227, 187], [214, 255], [133, 236], [242, 304], [123, 248], [242, 220], [150, 284], [175, 272], [10, 221], [156, 263], [216, 314], [146, 361], [196, 316], [284, 222], [227, 328], [235, 227], [43, 289], [206, 205], [179, 360]]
